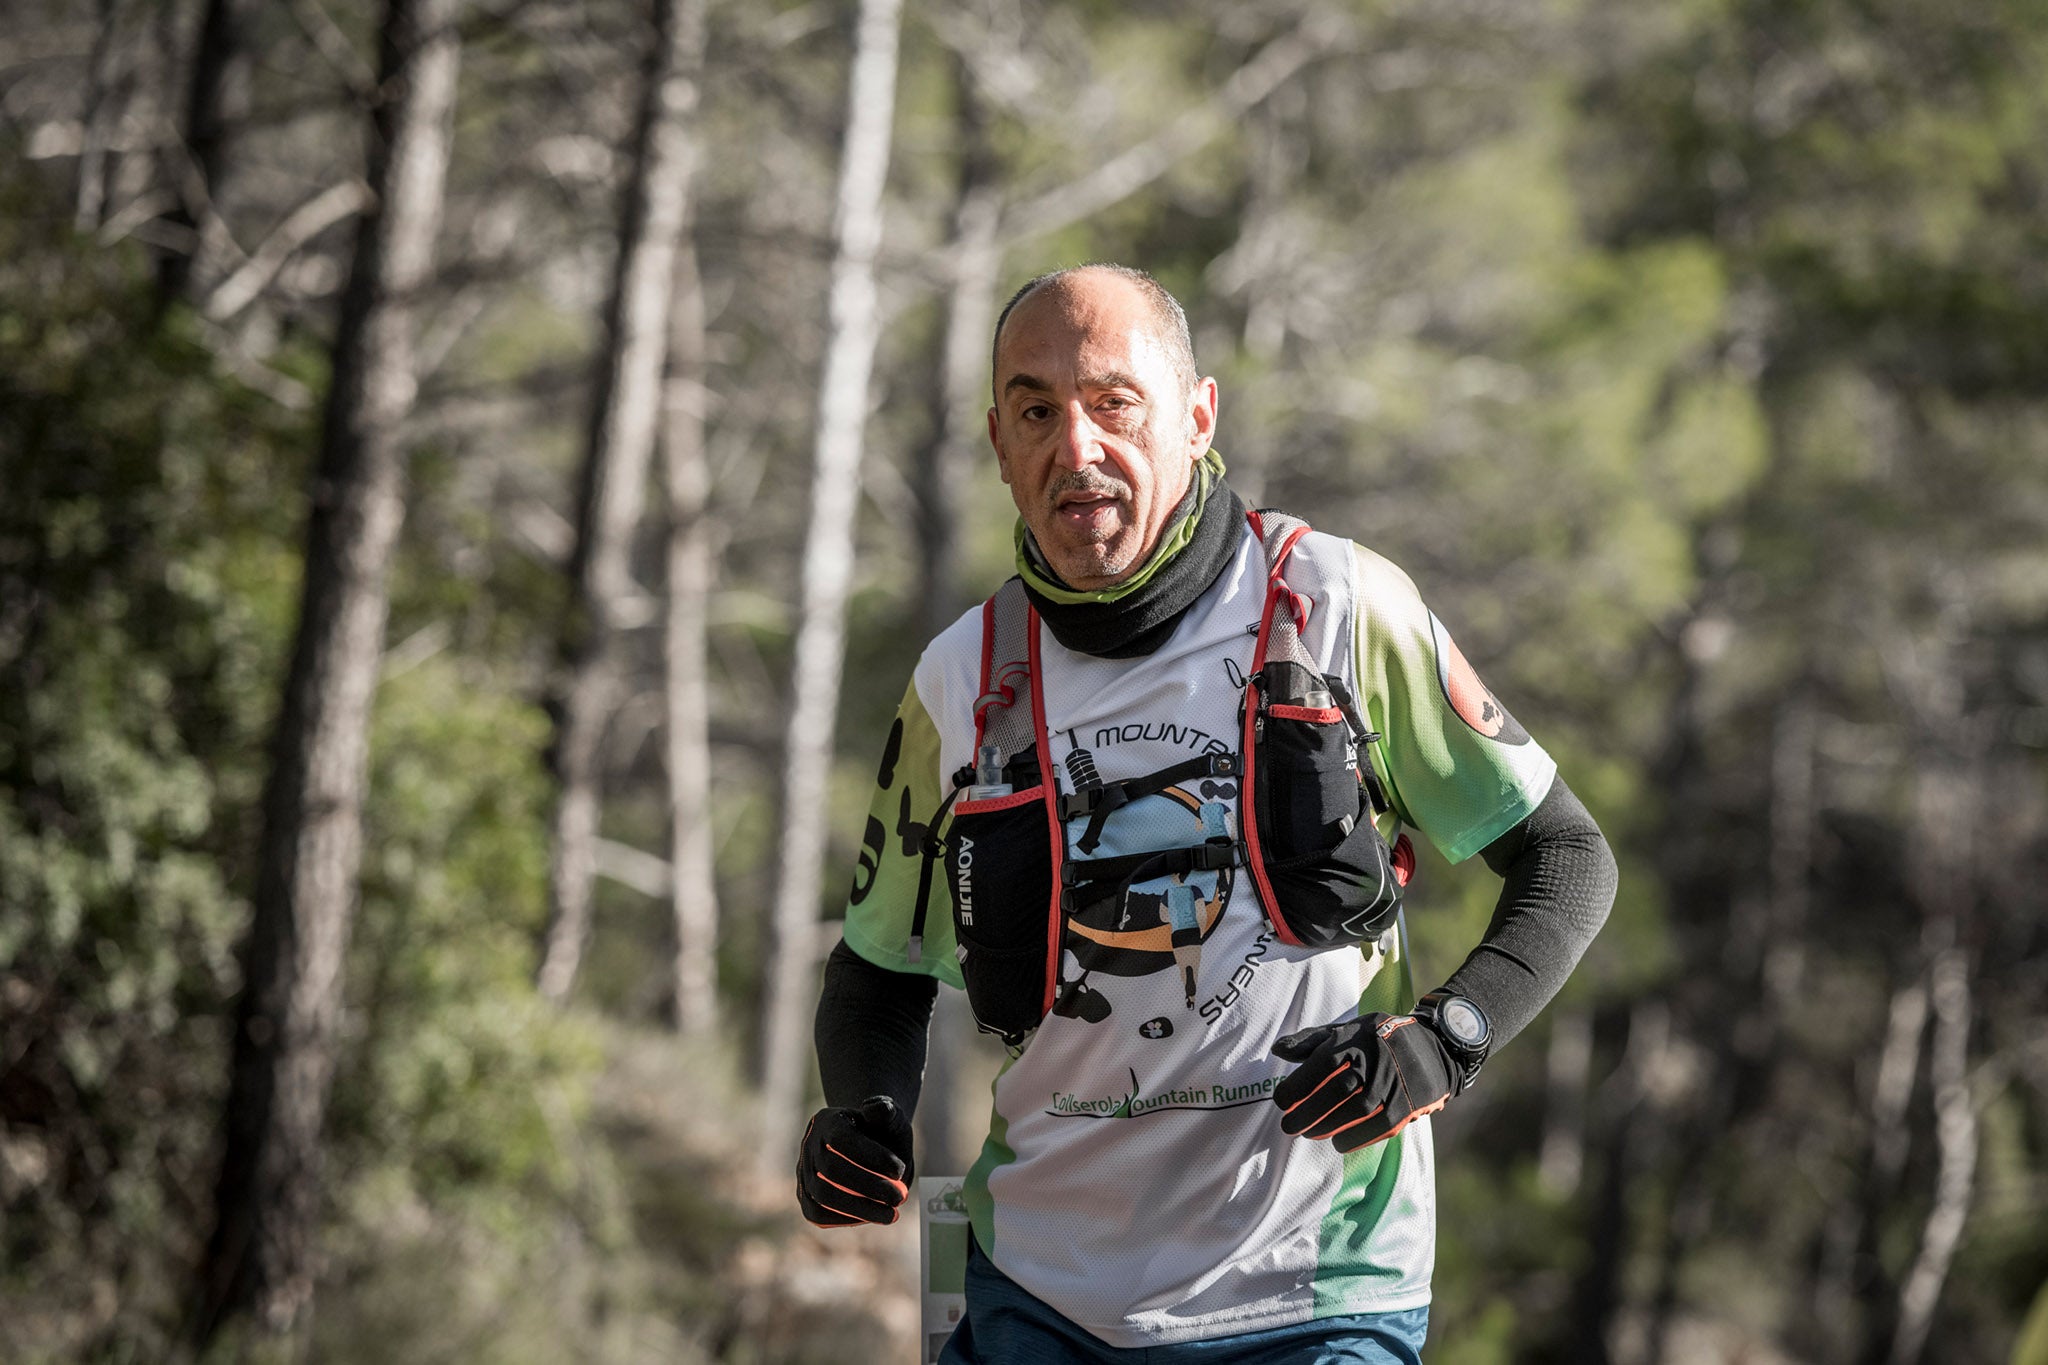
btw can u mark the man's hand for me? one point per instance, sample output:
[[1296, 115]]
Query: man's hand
[[1362, 1080], [855, 1164]]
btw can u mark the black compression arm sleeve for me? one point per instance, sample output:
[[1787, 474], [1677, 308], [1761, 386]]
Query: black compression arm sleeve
[[1559, 881], [871, 1030]]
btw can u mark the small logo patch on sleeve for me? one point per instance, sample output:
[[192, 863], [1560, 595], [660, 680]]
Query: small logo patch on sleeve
[[1469, 697]]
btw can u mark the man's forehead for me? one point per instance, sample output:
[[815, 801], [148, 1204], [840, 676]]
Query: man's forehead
[[1086, 298], [1080, 333]]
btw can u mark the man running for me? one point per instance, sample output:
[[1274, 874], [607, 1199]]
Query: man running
[[1210, 1140]]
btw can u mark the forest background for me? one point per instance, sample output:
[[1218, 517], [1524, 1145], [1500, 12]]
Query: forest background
[[448, 447]]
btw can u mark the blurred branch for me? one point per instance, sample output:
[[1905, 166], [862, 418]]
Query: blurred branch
[[647, 873], [414, 650], [280, 388], [300, 226], [1137, 166], [334, 48], [796, 23], [138, 219], [545, 529]]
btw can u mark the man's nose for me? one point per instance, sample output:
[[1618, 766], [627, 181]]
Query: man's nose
[[1081, 439]]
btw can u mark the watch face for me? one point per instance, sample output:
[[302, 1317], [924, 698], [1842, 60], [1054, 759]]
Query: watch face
[[1462, 1020]]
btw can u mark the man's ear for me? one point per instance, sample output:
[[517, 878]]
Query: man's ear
[[1201, 417], [995, 439]]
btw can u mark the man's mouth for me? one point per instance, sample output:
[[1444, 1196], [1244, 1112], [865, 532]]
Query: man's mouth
[[1087, 510]]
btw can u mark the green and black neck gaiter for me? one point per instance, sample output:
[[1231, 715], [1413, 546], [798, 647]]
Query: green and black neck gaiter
[[1135, 617]]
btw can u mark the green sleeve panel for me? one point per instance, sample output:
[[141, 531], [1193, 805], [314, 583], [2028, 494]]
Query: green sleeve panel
[[883, 902], [1458, 766]]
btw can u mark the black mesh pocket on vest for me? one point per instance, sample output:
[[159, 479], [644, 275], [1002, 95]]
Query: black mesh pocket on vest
[[1346, 894], [1327, 865], [999, 871]]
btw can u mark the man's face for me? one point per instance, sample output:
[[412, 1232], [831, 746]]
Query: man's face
[[1095, 433]]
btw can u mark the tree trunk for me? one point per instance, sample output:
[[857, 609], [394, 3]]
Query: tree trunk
[[1626, 1127], [1765, 962], [692, 566], [625, 415], [261, 1256], [974, 264], [96, 120], [1569, 1066], [1782, 941], [1851, 1281], [852, 329], [1261, 266], [219, 79], [1941, 868], [1955, 1140]]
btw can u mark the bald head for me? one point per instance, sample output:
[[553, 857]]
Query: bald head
[[1169, 322]]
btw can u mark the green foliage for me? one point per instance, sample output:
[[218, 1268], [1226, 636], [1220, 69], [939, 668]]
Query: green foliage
[[148, 565], [468, 1081], [145, 571]]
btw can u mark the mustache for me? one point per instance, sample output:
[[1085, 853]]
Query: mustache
[[1088, 483]]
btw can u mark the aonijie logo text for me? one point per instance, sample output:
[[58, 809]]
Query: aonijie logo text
[[963, 875]]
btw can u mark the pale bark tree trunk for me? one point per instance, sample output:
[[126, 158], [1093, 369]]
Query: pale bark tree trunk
[[692, 563], [973, 267], [1946, 817], [852, 330], [1848, 1263], [261, 1259], [1898, 1068], [1941, 858], [1955, 1140], [938, 471], [626, 412]]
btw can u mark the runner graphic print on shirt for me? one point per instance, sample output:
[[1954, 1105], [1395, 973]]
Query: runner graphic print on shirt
[[1131, 934]]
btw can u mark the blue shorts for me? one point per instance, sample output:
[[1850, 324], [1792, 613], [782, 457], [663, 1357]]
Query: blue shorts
[[1005, 1325]]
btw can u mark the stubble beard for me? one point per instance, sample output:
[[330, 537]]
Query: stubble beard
[[1105, 559], [1092, 553]]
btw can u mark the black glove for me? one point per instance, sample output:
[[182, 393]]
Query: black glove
[[1362, 1080], [854, 1165]]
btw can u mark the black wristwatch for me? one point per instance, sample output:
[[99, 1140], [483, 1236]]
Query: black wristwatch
[[1463, 1026]]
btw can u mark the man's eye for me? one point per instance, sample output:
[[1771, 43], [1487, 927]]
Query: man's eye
[[1036, 412]]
